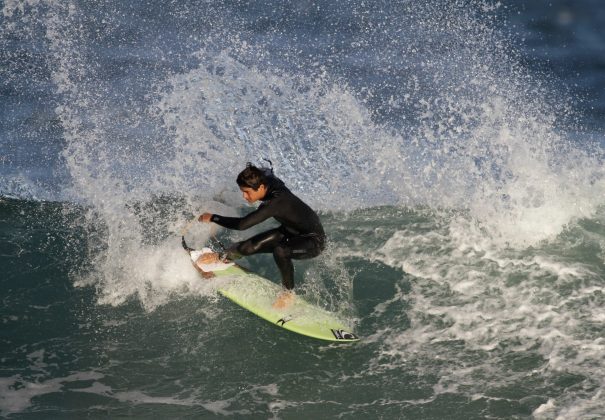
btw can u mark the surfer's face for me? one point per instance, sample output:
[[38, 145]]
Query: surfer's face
[[251, 195]]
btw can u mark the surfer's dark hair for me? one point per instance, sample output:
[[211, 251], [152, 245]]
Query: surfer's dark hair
[[252, 177]]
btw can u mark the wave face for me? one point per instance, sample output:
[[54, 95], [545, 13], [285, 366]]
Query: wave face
[[442, 152]]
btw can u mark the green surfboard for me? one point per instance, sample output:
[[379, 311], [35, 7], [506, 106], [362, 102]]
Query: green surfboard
[[257, 295]]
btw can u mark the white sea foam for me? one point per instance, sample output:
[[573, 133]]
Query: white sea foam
[[16, 393], [154, 274], [495, 301]]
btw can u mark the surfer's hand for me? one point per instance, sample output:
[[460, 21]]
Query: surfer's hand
[[205, 218]]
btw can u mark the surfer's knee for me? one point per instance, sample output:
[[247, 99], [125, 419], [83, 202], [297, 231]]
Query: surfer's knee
[[246, 248], [282, 252]]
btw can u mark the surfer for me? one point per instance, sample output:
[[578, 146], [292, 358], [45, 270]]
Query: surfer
[[300, 235]]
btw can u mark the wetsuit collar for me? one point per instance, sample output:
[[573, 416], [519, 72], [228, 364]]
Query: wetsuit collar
[[274, 187]]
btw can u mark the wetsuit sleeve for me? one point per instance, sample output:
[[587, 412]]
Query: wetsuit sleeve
[[242, 223]]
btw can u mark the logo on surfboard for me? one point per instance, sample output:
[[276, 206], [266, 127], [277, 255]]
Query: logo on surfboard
[[343, 335], [283, 320]]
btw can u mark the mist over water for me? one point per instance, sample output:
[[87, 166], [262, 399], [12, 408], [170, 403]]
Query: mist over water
[[438, 159]]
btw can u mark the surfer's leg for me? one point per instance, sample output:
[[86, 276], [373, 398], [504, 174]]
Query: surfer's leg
[[303, 247], [298, 248], [282, 256], [262, 243]]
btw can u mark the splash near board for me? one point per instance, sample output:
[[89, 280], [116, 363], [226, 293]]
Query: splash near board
[[257, 295]]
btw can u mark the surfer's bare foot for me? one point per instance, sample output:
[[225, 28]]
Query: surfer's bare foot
[[284, 299], [208, 258]]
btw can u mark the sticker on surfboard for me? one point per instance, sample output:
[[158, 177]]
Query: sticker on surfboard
[[344, 335]]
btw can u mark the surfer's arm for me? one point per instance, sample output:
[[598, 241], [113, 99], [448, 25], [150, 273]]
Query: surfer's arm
[[242, 223]]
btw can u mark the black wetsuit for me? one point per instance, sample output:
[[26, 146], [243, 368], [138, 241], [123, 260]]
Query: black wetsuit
[[300, 235]]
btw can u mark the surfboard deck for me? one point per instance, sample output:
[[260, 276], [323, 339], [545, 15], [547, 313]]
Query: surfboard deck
[[257, 295]]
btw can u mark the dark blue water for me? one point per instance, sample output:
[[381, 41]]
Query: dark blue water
[[454, 150]]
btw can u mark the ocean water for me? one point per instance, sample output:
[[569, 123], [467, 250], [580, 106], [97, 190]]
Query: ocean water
[[454, 151]]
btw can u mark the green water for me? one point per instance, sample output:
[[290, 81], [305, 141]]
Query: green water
[[475, 338]]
